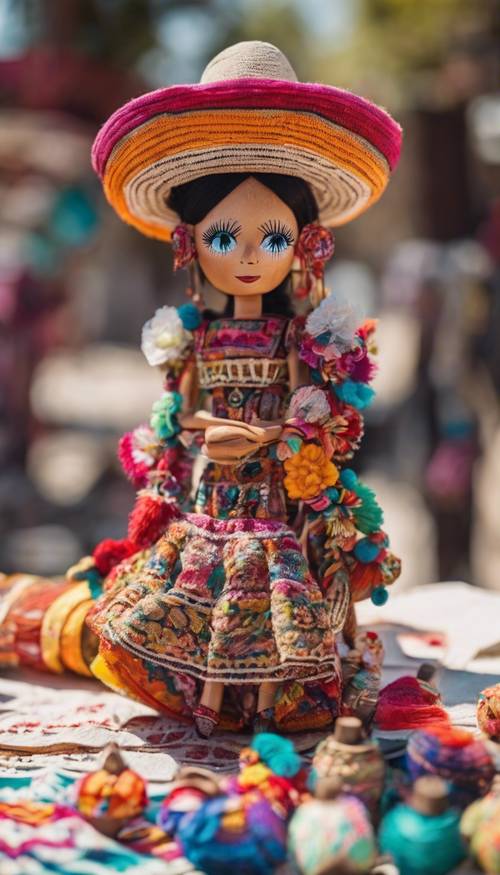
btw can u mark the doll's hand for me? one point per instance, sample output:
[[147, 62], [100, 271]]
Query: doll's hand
[[202, 419], [235, 440]]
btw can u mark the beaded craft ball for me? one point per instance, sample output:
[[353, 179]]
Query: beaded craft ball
[[480, 826], [488, 712], [463, 761]]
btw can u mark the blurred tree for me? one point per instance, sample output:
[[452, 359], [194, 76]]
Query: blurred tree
[[396, 39]]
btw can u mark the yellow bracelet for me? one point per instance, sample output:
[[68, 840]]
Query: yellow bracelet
[[71, 639], [53, 623]]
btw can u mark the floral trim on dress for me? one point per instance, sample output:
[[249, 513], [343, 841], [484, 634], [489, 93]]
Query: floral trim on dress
[[323, 429]]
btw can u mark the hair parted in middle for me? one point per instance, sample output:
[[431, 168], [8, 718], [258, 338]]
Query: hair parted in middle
[[193, 200]]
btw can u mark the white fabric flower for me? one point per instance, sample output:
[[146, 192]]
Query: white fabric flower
[[309, 404], [144, 445], [164, 337], [338, 318]]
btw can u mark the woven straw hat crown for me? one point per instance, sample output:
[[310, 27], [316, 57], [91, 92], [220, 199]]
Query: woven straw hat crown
[[249, 60]]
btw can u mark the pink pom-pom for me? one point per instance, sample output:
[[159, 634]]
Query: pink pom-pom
[[135, 471]]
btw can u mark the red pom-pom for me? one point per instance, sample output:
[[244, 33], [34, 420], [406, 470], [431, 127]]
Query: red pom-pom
[[408, 704], [109, 553], [149, 519]]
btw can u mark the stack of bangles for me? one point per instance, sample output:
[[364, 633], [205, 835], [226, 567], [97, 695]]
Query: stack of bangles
[[43, 624]]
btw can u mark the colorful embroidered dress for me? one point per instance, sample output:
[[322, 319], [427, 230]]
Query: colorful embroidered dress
[[226, 593]]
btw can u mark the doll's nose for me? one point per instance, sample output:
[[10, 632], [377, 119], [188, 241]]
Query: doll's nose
[[249, 255]]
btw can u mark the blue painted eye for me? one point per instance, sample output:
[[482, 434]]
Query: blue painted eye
[[222, 242], [275, 243], [221, 236]]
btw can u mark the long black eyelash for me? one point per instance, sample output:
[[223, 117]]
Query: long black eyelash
[[275, 227], [226, 227]]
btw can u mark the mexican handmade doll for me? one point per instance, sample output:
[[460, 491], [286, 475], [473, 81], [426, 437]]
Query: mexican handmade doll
[[251, 536]]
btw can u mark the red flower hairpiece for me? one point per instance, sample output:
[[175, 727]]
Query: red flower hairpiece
[[315, 246], [183, 246]]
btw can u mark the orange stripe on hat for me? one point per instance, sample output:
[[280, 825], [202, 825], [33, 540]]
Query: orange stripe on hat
[[168, 136]]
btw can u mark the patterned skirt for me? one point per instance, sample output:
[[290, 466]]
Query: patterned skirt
[[222, 600]]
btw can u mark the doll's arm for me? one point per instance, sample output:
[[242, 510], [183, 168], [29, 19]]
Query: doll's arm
[[297, 370], [189, 388]]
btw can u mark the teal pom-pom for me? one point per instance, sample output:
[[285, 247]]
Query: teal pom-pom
[[164, 416], [333, 494], [379, 596], [277, 753], [95, 584], [190, 316], [369, 517], [359, 395], [94, 580], [348, 479], [366, 551]]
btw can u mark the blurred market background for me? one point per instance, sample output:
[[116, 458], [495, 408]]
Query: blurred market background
[[76, 285]]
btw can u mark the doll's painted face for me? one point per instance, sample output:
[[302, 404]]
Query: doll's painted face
[[245, 244]]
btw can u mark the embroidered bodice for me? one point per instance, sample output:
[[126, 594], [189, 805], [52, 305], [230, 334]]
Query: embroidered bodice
[[243, 364]]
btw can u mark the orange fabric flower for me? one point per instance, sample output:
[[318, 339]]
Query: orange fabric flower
[[309, 472]]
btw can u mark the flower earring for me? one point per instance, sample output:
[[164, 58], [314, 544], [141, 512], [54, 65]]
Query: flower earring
[[185, 255], [315, 246]]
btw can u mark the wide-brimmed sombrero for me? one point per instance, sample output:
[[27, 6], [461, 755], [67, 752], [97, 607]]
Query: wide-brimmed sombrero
[[248, 114]]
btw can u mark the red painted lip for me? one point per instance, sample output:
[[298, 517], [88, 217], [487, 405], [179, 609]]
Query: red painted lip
[[248, 279]]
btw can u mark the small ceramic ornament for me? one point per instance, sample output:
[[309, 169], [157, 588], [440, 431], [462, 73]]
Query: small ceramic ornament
[[111, 796], [423, 836], [356, 761], [331, 834]]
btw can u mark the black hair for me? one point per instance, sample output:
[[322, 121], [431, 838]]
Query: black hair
[[193, 200]]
